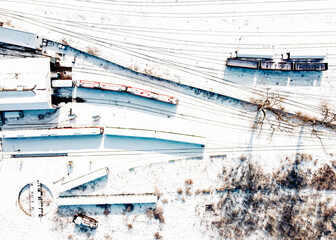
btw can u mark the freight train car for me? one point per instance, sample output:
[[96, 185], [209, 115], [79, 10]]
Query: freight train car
[[233, 62], [128, 89]]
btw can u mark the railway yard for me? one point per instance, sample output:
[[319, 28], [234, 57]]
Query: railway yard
[[167, 119]]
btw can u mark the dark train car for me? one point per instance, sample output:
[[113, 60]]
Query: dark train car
[[281, 66], [310, 66], [234, 62]]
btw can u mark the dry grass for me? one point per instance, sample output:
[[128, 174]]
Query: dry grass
[[164, 201], [157, 192], [64, 41], [129, 226], [107, 236], [93, 51], [189, 181], [324, 178], [106, 212], [157, 235], [150, 213], [188, 191]]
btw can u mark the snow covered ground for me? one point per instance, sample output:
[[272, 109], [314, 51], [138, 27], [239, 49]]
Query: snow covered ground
[[274, 164]]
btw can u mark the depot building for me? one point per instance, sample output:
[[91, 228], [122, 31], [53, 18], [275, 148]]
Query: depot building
[[25, 84]]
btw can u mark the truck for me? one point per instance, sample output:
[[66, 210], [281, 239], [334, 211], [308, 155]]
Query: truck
[[83, 220]]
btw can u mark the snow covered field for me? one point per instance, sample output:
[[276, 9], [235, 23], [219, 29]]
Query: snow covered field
[[261, 174]]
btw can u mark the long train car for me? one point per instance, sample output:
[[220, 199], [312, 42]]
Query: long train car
[[233, 62], [283, 66], [52, 132], [152, 95], [310, 66], [127, 89]]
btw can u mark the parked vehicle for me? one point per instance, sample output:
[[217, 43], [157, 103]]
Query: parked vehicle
[[81, 219]]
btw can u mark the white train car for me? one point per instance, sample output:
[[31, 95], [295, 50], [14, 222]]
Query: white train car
[[87, 84], [253, 53], [106, 199], [152, 95], [80, 180], [317, 56], [52, 132], [129, 89], [112, 87]]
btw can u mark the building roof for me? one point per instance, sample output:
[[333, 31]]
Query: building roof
[[19, 38], [25, 84]]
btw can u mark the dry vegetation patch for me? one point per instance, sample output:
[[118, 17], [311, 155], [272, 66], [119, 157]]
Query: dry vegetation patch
[[282, 205]]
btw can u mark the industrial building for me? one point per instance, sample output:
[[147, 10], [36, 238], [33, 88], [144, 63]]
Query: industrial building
[[25, 84]]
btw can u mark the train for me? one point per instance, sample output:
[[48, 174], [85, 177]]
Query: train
[[288, 62], [128, 89]]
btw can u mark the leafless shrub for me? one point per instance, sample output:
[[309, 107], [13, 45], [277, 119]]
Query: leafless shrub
[[268, 106], [179, 190], [198, 191], [333, 163], [188, 191], [9, 24], [64, 41], [107, 236], [150, 213], [129, 208], [93, 51], [106, 212], [157, 235], [324, 178], [157, 192], [70, 237], [158, 214], [129, 226], [189, 181], [164, 201], [242, 157]]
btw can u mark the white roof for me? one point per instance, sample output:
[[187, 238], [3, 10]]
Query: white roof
[[107, 199], [307, 55], [150, 133], [25, 73], [79, 180], [19, 38], [255, 53]]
